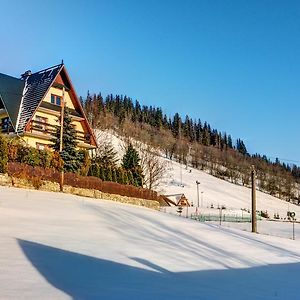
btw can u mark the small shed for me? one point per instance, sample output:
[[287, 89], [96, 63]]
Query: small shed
[[177, 200]]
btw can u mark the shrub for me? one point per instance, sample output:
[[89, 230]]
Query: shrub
[[36, 174], [13, 149], [85, 162], [3, 154], [56, 161], [36, 182], [29, 156], [46, 157]]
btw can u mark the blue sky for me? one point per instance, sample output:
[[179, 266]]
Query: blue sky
[[235, 64]]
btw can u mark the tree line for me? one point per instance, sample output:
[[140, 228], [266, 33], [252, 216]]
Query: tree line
[[192, 142]]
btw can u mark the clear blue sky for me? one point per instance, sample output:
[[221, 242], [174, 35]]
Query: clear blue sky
[[235, 64]]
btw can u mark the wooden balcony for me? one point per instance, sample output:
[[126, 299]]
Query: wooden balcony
[[46, 131]]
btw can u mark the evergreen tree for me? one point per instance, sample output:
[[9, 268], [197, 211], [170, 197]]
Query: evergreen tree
[[102, 174], [114, 175], [229, 142], [131, 162], [240, 147], [71, 157], [176, 125], [109, 174], [130, 178], [94, 170], [106, 156]]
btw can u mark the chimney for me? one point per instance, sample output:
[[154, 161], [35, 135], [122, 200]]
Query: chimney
[[26, 75]]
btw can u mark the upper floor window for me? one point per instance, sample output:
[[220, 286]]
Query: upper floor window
[[56, 99]]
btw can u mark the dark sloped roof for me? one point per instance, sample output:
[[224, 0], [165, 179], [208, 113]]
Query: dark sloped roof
[[11, 91], [36, 86]]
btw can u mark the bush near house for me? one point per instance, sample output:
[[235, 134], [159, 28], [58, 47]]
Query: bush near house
[[21, 161], [3, 154], [24, 171]]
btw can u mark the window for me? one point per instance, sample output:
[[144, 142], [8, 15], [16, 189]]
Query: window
[[55, 99]]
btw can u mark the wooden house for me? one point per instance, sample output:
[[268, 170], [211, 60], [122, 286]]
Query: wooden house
[[177, 200], [30, 107]]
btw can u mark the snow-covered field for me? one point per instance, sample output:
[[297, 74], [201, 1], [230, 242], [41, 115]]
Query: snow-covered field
[[59, 246]]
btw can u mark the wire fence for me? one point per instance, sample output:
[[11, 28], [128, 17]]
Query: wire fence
[[240, 220], [223, 218]]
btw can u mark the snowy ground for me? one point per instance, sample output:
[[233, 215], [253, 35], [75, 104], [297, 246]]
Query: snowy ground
[[57, 246]]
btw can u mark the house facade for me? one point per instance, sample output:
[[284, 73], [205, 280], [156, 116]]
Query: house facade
[[31, 106]]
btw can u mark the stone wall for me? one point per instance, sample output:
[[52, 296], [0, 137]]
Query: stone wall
[[5, 180]]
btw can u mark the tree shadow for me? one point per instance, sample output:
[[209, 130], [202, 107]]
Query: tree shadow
[[86, 277]]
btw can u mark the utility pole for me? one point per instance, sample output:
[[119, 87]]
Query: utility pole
[[180, 173], [253, 217], [61, 182], [197, 182]]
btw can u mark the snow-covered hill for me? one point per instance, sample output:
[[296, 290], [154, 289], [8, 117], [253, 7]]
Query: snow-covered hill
[[179, 179], [219, 192], [59, 246]]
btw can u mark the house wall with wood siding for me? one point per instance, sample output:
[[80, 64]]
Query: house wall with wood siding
[[34, 137]]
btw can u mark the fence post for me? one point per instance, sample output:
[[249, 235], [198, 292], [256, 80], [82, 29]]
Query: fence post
[[253, 217]]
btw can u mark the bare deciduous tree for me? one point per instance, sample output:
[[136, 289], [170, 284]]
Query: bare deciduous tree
[[152, 164]]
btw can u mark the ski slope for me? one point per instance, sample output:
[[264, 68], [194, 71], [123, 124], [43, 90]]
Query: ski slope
[[179, 179], [59, 246]]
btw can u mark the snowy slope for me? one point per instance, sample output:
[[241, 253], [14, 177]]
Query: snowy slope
[[59, 246], [219, 192], [215, 191]]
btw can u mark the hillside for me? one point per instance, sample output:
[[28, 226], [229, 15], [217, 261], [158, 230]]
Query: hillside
[[193, 142], [181, 179], [219, 192], [58, 246]]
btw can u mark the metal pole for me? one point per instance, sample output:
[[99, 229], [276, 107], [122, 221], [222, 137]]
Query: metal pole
[[61, 183], [221, 216], [253, 217], [202, 199], [180, 173], [293, 230], [197, 182]]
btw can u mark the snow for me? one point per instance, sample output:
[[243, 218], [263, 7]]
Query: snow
[[59, 246], [219, 192], [180, 179]]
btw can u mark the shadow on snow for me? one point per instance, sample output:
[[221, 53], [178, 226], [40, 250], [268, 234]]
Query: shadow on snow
[[85, 277]]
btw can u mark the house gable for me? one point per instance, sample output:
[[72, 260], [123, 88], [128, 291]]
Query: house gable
[[61, 81], [28, 100]]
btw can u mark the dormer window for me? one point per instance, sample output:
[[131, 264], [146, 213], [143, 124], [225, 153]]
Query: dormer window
[[56, 99]]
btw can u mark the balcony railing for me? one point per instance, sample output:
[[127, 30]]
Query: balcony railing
[[49, 131]]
